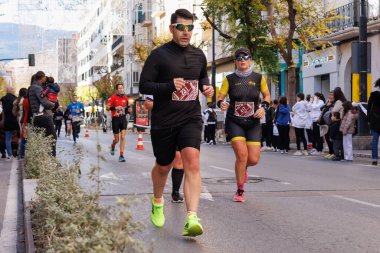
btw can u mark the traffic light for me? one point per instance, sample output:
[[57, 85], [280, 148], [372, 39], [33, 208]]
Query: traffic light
[[32, 62]]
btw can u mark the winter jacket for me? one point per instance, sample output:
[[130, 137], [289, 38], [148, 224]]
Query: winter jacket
[[338, 107], [348, 123], [374, 111], [10, 121], [335, 133], [315, 109], [301, 116], [283, 115], [35, 100]]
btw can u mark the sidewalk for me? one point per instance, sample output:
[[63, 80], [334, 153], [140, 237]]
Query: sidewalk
[[10, 207]]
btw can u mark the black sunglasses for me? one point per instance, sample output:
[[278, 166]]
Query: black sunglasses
[[240, 58], [182, 27]]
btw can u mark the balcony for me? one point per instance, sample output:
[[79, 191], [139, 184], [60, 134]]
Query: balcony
[[349, 18], [347, 27], [117, 65], [117, 42], [145, 19]]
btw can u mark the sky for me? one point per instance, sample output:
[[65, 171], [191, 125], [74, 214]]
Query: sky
[[28, 26], [49, 14]]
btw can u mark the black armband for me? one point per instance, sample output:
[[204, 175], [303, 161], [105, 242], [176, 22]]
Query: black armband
[[112, 108], [265, 105], [219, 103]]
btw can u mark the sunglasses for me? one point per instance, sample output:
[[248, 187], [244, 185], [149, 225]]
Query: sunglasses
[[182, 27], [240, 58]]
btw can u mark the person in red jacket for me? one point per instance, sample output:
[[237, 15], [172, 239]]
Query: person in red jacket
[[118, 104]]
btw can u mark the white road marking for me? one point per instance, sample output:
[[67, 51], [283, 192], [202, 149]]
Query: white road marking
[[205, 194], [356, 201], [8, 236], [229, 170], [146, 174], [286, 183], [110, 176]]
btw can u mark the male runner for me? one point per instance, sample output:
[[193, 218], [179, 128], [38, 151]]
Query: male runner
[[76, 115], [173, 74], [177, 170], [118, 104]]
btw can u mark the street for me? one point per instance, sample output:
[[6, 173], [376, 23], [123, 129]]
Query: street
[[293, 204]]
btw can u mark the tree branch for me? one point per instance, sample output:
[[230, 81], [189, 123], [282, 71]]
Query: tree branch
[[224, 35]]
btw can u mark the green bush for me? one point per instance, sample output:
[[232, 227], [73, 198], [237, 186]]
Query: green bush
[[65, 218]]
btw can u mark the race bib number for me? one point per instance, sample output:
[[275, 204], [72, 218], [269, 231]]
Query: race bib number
[[244, 109], [188, 93]]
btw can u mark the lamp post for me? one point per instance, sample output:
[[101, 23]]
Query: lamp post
[[363, 68]]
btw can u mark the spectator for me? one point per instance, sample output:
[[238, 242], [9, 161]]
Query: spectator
[[299, 122], [347, 128], [339, 99], [11, 125], [309, 131], [68, 123], [315, 113], [268, 127], [324, 127], [21, 110], [275, 135], [210, 117], [58, 117], [374, 120], [336, 136], [205, 127], [283, 121], [44, 119]]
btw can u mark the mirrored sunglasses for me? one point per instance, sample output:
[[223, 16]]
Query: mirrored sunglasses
[[182, 27]]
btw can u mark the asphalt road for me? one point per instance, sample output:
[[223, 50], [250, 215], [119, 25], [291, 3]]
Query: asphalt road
[[293, 204]]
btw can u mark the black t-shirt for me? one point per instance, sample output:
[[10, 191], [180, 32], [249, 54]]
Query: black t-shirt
[[162, 66], [10, 121]]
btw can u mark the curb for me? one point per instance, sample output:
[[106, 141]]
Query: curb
[[28, 232], [361, 155]]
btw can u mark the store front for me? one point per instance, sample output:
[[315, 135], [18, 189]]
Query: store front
[[320, 71]]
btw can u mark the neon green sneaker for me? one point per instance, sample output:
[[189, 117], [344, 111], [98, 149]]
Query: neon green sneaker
[[157, 216], [192, 227]]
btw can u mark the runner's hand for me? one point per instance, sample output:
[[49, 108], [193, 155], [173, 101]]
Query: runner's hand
[[208, 91], [70, 116], [259, 114], [179, 83], [224, 106]]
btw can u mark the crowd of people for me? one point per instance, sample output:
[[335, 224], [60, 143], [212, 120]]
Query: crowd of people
[[315, 122], [36, 105]]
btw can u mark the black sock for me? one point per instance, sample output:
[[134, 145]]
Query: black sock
[[177, 176]]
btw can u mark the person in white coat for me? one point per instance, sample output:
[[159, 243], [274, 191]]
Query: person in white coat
[[299, 122], [315, 112]]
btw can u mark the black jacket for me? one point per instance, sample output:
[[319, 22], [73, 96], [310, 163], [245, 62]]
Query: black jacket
[[374, 111], [35, 100], [10, 121], [335, 133]]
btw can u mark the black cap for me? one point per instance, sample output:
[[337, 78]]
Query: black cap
[[243, 51]]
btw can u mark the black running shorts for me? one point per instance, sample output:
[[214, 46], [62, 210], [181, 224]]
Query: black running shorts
[[119, 124], [167, 141], [246, 130]]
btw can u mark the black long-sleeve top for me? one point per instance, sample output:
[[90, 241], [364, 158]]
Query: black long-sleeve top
[[162, 66]]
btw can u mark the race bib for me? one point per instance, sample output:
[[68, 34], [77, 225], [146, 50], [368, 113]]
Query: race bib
[[244, 109], [188, 93]]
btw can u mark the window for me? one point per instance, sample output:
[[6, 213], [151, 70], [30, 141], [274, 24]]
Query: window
[[135, 78]]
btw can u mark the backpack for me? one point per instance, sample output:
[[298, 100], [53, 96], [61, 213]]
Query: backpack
[[211, 116], [327, 117]]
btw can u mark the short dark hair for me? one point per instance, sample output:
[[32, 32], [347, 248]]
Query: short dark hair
[[308, 97], [181, 13], [275, 102], [117, 85], [347, 106], [50, 79], [23, 92], [301, 96], [39, 75], [283, 101], [377, 83], [336, 115]]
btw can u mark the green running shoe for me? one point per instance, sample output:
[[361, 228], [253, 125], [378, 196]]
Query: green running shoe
[[157, 216], [192, 227]]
